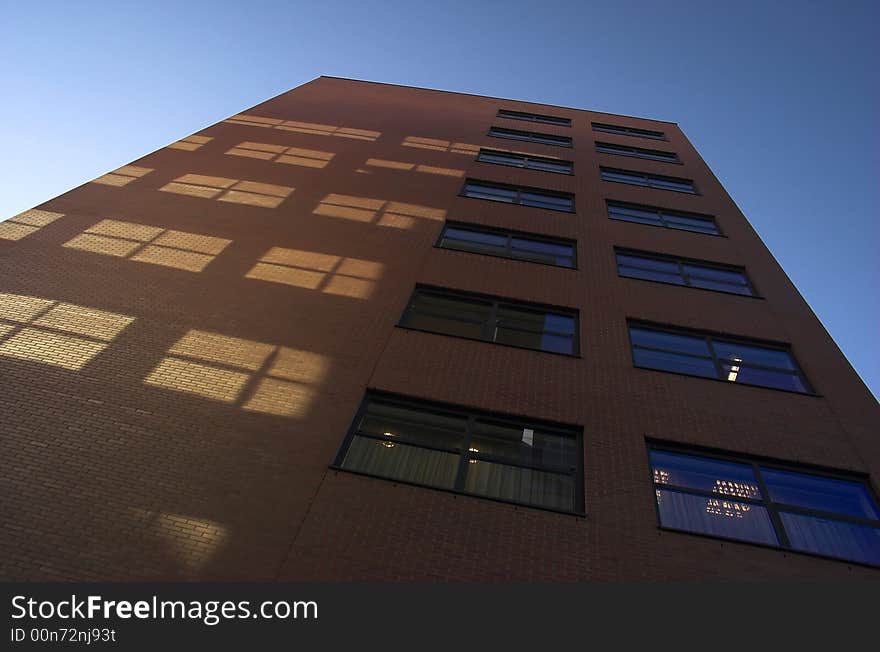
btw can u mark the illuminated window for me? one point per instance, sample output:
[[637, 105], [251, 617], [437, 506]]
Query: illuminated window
[[658, 181], [528, 161], [654, 216], [735, 360], [507, 244], [478, 317], [22, 225], [465, 451], [530, 136], [683, 271], [793, 508], [534, 117], [637, 152], [521, 195], [628, 131]]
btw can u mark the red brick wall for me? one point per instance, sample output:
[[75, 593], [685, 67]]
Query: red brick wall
[[141, 446]]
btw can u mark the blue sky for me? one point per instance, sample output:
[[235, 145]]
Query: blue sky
[[780, 98]]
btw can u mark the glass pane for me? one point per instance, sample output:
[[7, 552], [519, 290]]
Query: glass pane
[[753, 354], [552, 202], [607, 175], [415, 426], [816, 492], [718, 476], [442, 325], [670, 184], [650, 275], [723, 275], [535, 320], [821, 536], [528, 446], [683, 364], [550, 140], [764, 377], [611, 149], [620, 212], [721, 287], [521, 485], [561, 255], [513, 135], [690, 223], [663, 340], [481, 237], [558, 343], [543, 247], [715, 516], [476, 247], [657, 156], [402, 462], [480, 191], [548, 166], [451, 306], [502, 159], [648, 263]]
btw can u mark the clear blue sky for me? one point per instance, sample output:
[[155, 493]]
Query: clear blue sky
[[780, 98]]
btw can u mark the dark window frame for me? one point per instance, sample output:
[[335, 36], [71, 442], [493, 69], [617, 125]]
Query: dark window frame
[[496, 303], [661, 213], [534, 117], [537, 137], [519, 190], [681, 261], [471, 415], [607, 128], [525, 160], [510, 234], [648, 177], [773, 508], [709, 337], [638, 152]]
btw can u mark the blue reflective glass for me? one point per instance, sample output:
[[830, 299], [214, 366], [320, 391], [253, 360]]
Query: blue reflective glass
[[758, 355], [737, 373], [821, 493], [683, 364], [716, 274], [682, 222], [543, 247], [720, 287], [480, 237], [650, 275], [716, 517], [648, 263], [852, 541], [663, 340], [718, 476]]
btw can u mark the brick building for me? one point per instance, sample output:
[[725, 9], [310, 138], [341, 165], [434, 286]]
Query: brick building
[[363, 331]]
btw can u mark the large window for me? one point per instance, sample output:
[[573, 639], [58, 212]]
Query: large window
[[732, 359], [522, 195], [507, 244], [470, 452], [528, 161], [534, 117], [478, 317], [732, 497], [655, 216], [683, 271], [530, 136], [637, 152], [628, 131], [657, 181]]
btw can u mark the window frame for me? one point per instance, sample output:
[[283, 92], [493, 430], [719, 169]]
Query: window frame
[[511, 234], [525, 160], [530, 137], [681, 261], [636, 132], [649, 176], [519, 190], [709, 337], [773, 508], [637, 152], [496, 303], [663, 223], [471, 415], [526, 116]]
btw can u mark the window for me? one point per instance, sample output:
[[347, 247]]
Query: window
[[637, 152], [527, 161], [522, 195], [530, 136], [462, 450], [735, 360], [734, 497], [478, 317], [534, 117], [507, 244], [657, 181], [669, 219], [683, 271], [629, 131]]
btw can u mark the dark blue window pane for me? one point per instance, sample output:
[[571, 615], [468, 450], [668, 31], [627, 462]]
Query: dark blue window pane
[[723, 275], [638, 180], [480, 191], [816, 492], [683, 364], [502, 159], [558, 343], [690, 223], [821, 536], [552, 202], [650, 275], [717, 517], [549, 166], [720, 287], [476, 237], [662, 340], [633, 214], [736, 373], [543, 247], [671, 184], [523, 445], [753, 354], [648, 263], [718, 476]]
